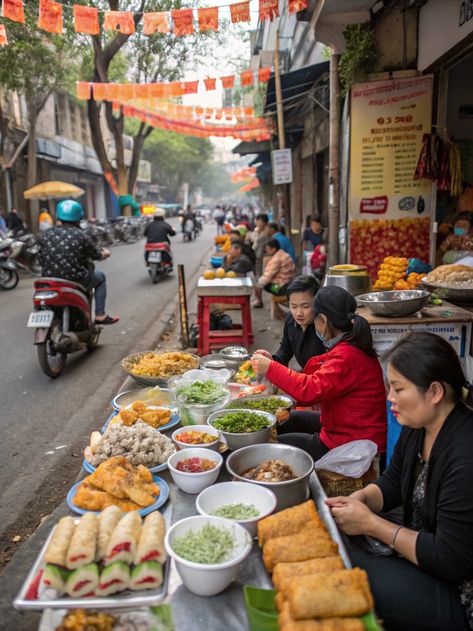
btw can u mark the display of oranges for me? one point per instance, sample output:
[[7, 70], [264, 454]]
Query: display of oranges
[[209, 274], [220, 273]]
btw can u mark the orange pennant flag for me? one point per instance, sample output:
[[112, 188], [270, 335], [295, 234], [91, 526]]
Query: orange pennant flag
[[13, 10], [83, 90], [86, 20], [120, 21], [228, 82], [247, 78], [50, 16], [210, 84], [268, 9], [126, 91], [183, 21], [208, 19], [156, 23], [100, 91], [240, 12], [191, 87], [297, 5], [264, 74], [3, 35]]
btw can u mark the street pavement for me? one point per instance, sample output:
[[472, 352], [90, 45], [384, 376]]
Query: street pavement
[[45, 423]]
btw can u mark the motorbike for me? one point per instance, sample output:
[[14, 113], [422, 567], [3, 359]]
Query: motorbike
[[8, 271], [188, 230], [24, 252], [157, 264], [62, 322]]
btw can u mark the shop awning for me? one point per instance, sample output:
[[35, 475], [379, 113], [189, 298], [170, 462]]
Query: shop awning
[[293, 84], [251, 146], [331, 17]]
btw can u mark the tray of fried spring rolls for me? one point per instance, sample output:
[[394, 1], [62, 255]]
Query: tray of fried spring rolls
[[111, 561]]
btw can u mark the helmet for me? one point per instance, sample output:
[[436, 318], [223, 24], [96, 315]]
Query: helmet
[[160, 212], [69, 210]]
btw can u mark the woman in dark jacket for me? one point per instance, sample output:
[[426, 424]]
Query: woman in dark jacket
[[428, 582]]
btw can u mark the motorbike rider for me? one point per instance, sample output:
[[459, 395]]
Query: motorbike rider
[[159, 231], [66, 251], [189, 215]]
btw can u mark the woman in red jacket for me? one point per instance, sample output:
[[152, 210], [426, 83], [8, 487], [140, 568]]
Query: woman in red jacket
[[347, 382]]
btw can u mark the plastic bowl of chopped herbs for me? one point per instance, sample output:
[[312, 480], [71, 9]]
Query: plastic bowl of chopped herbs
[[208, 552], [198, 399], [241, 427], [242, 502]]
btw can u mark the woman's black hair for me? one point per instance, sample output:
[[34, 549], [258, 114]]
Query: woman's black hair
[[359, 335], [302, 284], [424, 358], [273, 244], [465, 215]]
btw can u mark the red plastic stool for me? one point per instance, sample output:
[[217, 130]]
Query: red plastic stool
[[210, 340]]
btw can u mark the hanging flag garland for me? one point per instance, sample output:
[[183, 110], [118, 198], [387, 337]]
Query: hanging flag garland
[[264, 74], [268, 9], [183, 21], [3, 35], [208, 19], [247, 78], [210, 84], [120, 21], [50, 16], [86, 20], [13, 10], [240, 12], [297, 5], [228, 82], [156, 23]]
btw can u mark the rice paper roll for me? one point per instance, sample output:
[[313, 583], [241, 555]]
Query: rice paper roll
[[108, 520], [84, 542], [124, 540], [345, 594], [114, 578], [289, 522], [55, 577], [147, 575], [57, 549], [283, 572], [151, 544], [307, 544], [286, 623], [83, 581]]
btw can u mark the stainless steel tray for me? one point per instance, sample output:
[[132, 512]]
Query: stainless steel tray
[[319, 496], [123, 600]]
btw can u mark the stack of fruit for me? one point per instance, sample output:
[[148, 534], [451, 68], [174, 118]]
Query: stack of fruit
[[220, 273], [391, 270], [223, 243]]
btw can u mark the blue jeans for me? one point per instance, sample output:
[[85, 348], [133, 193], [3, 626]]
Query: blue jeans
[[97, 280]]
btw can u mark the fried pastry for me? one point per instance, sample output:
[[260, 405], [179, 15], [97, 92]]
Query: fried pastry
[[284, 572], [307, 544], [289, 522], [287, 623]]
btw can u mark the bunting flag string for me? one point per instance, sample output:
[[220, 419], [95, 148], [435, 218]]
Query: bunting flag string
[[86, 18], [244, 175], [126, 91], [246, 188], [193, 112], [3, 35]]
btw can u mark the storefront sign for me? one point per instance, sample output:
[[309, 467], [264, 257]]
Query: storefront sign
[[389, 211], [281, 160]]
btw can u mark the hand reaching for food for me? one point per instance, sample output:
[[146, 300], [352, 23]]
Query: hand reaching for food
[[260, 364]]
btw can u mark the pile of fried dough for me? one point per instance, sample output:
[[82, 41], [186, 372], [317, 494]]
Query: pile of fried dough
[[314, 590], [140, 411], [116, 482], [161, 365]]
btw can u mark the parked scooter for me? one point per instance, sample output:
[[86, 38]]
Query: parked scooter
[[24, 252], [63, 323], [158, 257], [8, 271]]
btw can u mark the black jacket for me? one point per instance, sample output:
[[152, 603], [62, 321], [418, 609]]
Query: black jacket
[[298, 343], [158, 231], [445, 544], [242, 265]]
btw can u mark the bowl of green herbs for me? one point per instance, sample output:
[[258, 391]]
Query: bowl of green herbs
[[196, 401], [241, 427]]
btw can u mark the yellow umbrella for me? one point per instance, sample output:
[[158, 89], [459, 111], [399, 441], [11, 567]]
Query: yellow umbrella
[[53, 190]]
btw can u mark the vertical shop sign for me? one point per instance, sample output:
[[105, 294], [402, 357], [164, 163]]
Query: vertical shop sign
[[389, 211], [281, 161]]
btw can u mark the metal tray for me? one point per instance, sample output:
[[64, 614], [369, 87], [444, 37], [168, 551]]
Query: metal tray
[[123, 600], [127, 363], [454, 294]]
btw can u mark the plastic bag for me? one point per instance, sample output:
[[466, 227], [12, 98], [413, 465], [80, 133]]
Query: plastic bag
[[352, 459], [206, 374]]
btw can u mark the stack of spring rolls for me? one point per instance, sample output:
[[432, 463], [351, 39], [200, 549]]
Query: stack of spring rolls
[[105, 554], [314, 590]]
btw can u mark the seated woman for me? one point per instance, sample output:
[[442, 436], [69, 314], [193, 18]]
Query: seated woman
[[299, 339], [460, 243], [347, 381], [279, 271], [427, 584]]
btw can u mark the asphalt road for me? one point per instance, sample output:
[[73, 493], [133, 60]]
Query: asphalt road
[[45, 423]]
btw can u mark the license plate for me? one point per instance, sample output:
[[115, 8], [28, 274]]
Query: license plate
[[41, 319], [154, 257]]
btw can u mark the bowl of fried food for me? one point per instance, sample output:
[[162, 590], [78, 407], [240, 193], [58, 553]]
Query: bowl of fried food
[[153, 415], [152, 368]]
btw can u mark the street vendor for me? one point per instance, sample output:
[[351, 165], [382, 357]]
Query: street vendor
[[347, 381], [427, 583], [461, 241], [236, 261], [299, 339]]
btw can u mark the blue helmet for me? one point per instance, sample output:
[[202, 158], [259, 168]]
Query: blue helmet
[[69, 210]]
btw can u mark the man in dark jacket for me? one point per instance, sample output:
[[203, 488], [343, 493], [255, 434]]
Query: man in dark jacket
[[14, 222], [159, 231], [237, 261]]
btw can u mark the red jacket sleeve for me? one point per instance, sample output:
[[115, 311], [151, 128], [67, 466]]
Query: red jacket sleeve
[[335, 376]]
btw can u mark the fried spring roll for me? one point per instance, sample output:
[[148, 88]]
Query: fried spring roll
[[83, 543], [59, 544], [284, 572], [289, 522], [125, 537], [307, 544], [286, 623], [345, 594], [151, 545], [108, 521]]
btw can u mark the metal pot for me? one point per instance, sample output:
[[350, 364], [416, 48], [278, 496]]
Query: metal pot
[[355, 285], [287, 493]]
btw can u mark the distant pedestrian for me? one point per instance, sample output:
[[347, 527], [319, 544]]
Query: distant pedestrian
[[219, 217], [313, 235], [14, 222], [45, 220], [274, 232]]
